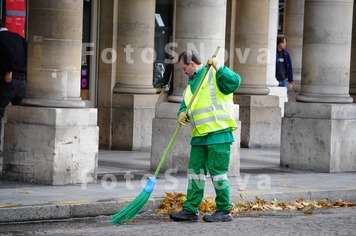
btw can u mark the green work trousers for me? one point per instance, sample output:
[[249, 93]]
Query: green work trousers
[[215, 159]]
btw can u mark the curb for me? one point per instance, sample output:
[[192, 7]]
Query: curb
[[66, 211], [111, 207]]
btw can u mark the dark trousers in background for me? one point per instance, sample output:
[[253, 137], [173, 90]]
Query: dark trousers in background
[[283, 83], [11, 92]]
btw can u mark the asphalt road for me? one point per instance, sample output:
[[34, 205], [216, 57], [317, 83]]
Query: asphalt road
[[336, 221]]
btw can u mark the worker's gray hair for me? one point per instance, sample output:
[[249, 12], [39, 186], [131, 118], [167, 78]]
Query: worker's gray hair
[[189, 55]]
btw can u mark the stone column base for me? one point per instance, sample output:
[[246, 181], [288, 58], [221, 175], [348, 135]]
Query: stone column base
[[260, 121], [163, 126], [319, 137], [51, 146], [353, 97], [132, 121]]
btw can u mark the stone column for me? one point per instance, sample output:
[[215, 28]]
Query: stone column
[[106, 71], [272, 43], [318, 131], [203, 35], [251, 45], [272, 82], [260, 114], [326, 52], [353, 58], [54, 54], [293, 30], [135, 43], [134, 97], [230, 33], [55, 142]]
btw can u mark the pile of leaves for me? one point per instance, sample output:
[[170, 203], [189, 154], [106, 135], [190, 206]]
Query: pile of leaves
[[174, 203]]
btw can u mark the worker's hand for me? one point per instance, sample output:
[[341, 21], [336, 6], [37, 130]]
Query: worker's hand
[[8, 76], [183, 119], [290, 85], [214, 63]]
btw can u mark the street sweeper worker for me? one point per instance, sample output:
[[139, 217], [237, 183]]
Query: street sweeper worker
[[211, 116]]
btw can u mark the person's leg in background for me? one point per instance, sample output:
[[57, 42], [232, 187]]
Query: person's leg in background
[[7, 93], [2, 112], [283, 83], [11, 92], [3, 106]]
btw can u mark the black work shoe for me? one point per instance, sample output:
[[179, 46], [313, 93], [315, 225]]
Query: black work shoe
[[219, 216], [184, 216]]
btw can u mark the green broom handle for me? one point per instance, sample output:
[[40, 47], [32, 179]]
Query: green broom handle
[[186, 111]]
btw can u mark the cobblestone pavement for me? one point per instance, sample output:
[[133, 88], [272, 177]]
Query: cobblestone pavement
[[337, 221]]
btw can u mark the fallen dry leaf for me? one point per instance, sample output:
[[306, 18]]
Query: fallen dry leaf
[[26, 192], [287, 186], [308, 212]]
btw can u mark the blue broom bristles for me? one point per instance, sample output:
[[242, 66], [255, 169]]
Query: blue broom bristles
[[131, 210]]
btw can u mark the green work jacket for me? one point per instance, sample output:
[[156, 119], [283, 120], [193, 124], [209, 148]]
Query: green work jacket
[[227, 81]]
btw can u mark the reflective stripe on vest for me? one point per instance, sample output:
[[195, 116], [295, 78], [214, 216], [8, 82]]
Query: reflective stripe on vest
[[211, 110]]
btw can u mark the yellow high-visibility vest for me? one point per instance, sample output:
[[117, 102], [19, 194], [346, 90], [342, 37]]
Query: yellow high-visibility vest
[[211, 110]]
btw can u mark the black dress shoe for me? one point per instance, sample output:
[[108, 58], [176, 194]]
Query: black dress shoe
[[184, 216], [219, 216]]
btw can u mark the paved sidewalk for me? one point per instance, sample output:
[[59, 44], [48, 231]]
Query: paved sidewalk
[[122, 176]]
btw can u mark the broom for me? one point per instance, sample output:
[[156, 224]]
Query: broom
[[131, 210]]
